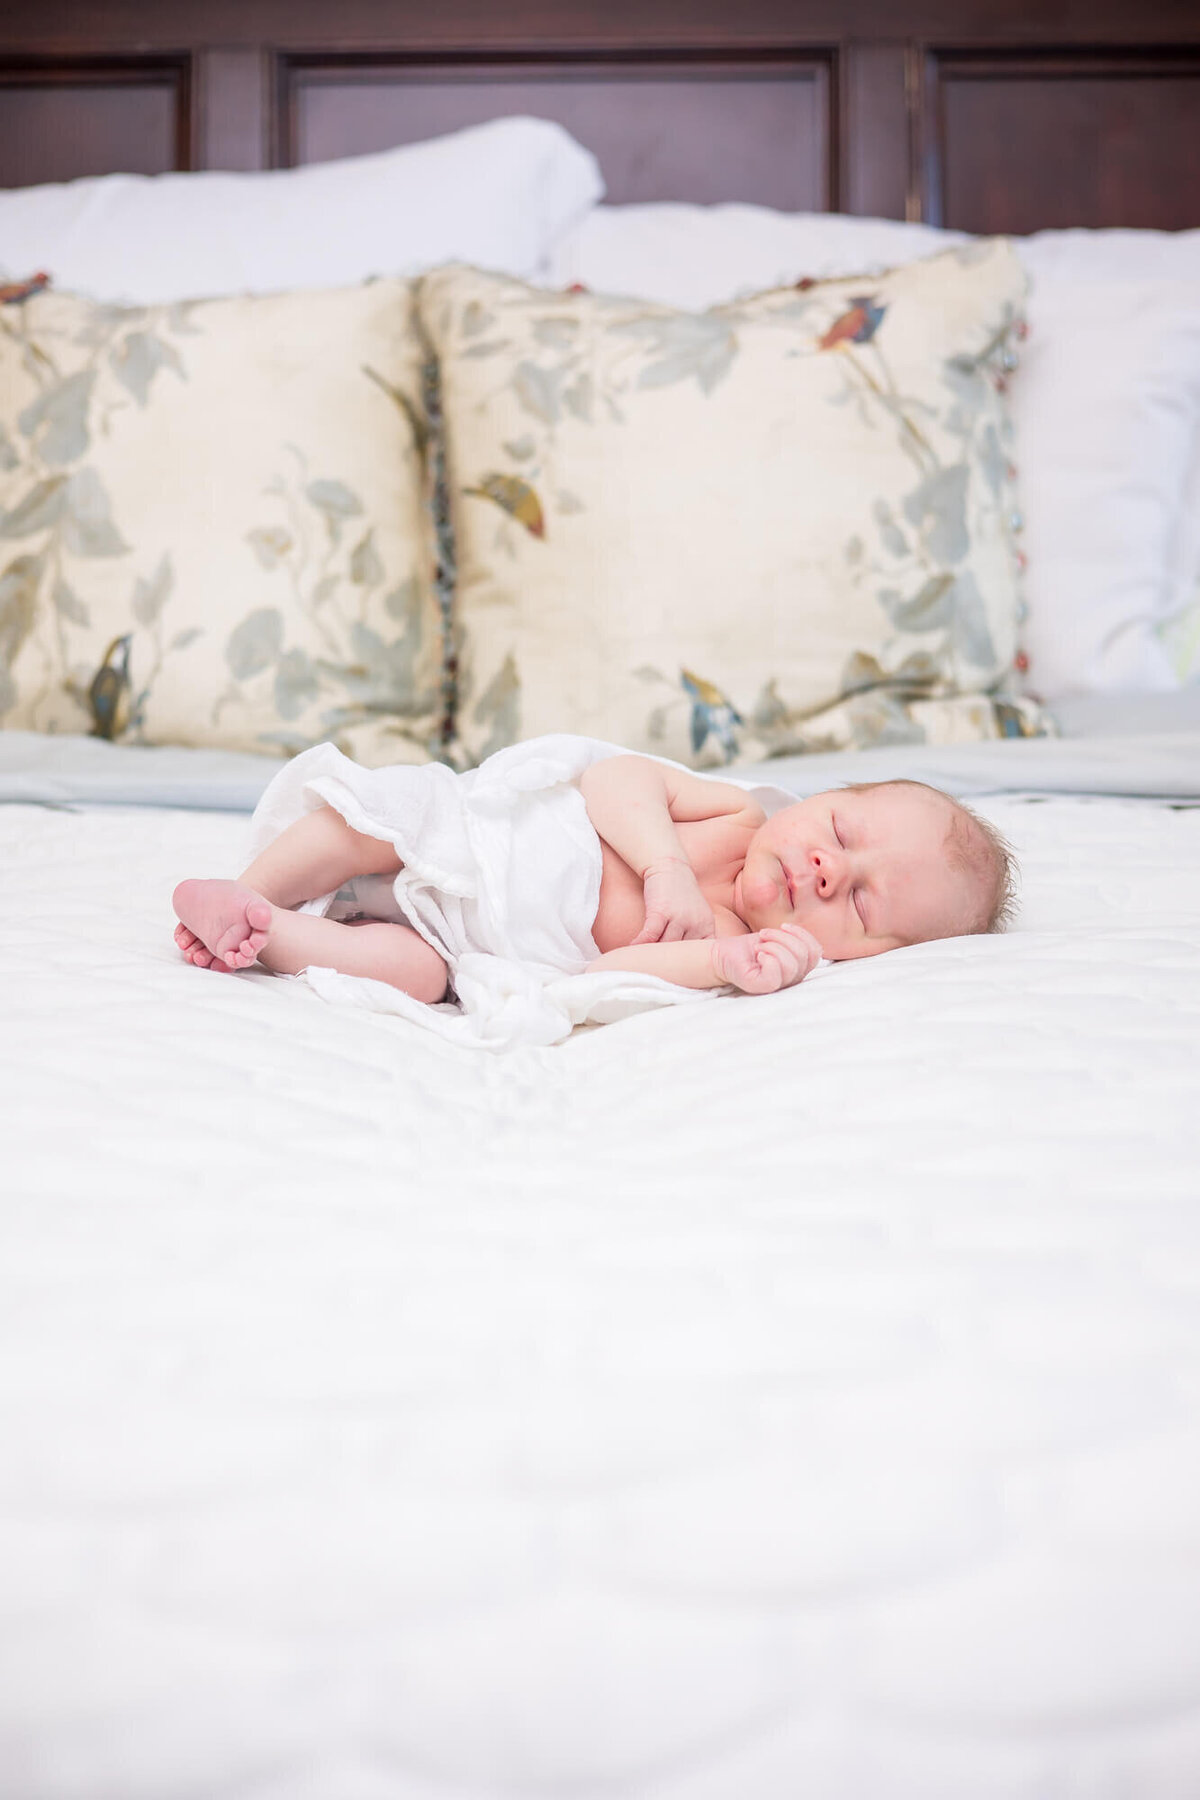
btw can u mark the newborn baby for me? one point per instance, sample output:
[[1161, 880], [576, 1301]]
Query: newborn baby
[[842, 874], [694, 883]]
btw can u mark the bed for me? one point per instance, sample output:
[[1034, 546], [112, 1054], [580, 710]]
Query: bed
[[777, 1397]]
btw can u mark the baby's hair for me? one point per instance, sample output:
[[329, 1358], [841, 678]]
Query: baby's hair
[[974, 846]]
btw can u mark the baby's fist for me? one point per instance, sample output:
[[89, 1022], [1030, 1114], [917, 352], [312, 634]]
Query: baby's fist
[[765, 961]]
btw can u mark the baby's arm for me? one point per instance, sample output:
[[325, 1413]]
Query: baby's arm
[[759, 962], [634, 804]]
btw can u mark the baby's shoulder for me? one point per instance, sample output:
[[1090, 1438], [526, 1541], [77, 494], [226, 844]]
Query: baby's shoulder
[[734, 803]]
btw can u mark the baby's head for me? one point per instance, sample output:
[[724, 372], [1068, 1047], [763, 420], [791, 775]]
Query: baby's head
[[875, 866]]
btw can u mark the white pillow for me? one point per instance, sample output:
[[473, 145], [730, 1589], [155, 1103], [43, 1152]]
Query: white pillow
[[498, 195], [1106, 408], [699, 256]]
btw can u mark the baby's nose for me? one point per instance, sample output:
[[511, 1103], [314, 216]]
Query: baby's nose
[[823, 869]]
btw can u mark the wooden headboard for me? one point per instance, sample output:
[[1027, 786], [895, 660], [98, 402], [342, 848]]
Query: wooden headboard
[[988, 115]]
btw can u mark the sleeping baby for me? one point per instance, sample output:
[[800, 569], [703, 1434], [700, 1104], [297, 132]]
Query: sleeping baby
[[565, 857]]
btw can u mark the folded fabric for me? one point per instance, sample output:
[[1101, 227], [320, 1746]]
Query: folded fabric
[[501, 875]]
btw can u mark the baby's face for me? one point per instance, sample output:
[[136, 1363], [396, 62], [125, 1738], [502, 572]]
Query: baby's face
[[864, 872]]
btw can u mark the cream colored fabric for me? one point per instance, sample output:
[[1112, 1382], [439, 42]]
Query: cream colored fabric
[[782, 525], [213, 526]]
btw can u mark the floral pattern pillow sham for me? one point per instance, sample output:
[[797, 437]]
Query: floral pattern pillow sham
[[783, 525], [213, 523]]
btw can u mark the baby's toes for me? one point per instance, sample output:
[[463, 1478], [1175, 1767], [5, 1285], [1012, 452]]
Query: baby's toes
[[254, 944]]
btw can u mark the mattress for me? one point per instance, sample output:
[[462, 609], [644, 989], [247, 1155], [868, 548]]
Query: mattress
[[793, 1396]]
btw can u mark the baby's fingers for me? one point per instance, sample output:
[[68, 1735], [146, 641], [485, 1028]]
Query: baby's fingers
[[793, 958], [785, 967], [652, 930], [805, 945]]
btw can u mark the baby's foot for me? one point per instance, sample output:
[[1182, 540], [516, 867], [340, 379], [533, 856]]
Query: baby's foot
[[191, 947], [194, 951], [227, 925]]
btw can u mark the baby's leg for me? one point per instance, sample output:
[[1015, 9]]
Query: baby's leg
[[240, 927], [393, 953], [313, 856]]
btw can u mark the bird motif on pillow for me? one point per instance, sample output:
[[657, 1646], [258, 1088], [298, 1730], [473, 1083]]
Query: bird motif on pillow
[[13, 292], [858, 325], [713, 714], [108, 695]]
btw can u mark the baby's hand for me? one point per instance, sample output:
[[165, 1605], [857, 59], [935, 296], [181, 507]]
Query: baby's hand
[[675, 907], [765, 961]]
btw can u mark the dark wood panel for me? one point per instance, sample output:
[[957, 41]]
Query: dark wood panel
[[600, 25], [1032, 115], [1016, 143], [761, 129], [62, 118], [233, 109], [873, 159]]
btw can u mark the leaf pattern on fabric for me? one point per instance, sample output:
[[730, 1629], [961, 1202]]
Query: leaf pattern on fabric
[[336, 503], [937, 507], [137, 359], [256, 643], [537, 390], [18, 603], [696, 347], [366, 568], [362, 675], [296, 684], [41, 507], [69, 506], [67, 604], [57, 421], [598, 406], [149, 597], [88, 528], [270, 544], [513, 495], [496, 709], [331, 617]]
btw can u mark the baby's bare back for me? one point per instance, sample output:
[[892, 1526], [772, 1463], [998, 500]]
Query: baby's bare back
[[716, 851]]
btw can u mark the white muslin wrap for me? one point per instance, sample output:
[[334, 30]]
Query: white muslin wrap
[[501, 875]]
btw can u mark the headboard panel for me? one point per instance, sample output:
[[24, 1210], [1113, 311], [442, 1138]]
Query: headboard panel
[[992, 115], [1015, 141], [63, 116], [768, 121]]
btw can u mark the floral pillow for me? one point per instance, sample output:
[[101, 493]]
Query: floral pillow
[[213, 523], [783, 525]]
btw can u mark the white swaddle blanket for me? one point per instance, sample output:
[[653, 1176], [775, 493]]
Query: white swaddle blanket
[[501, 875]]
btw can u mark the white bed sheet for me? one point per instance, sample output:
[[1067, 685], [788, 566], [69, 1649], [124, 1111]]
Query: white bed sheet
[[792, 1396]]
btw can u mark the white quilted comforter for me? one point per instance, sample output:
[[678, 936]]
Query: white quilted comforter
[[784, 1399]]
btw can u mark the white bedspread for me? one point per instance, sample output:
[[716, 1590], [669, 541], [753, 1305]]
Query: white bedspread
[[777, 1398]]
